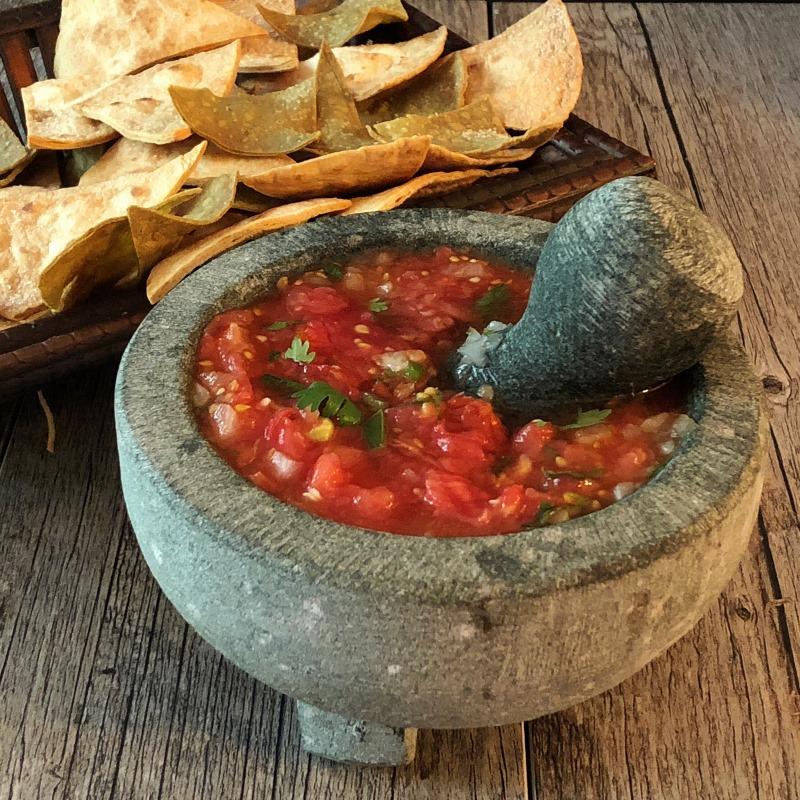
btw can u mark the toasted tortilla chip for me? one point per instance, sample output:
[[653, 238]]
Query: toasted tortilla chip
[[127, 157], [427, 185], [440, 158], [104, 39], [337, 117], [317, 6], [373, 68], [337, 25], [248, 199], [140, 107], [173, 269], [54, 120], [10, 176], [349, 171], [267, 53], [440, 88], [532, 71], [12, 151], [40, 224], [104, 256], [475, 128], [157, 233], [266, 125], [368, 69]]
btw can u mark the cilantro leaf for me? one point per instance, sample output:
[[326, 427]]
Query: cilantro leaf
[[283, 385], [588, 418], [414, 371], [377, 304], [282, 324], [494, 302], [375, 430], [373, 402], [321, 396], [544, 513], [333, 271], [570, 473], [298, 351]]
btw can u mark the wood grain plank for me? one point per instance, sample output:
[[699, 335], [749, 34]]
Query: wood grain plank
[[467, 18], [728, 687], [59, 534], [20, 70], [741, 133], [46, 37]]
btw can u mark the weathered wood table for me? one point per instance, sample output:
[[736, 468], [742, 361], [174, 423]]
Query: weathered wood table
[[106, 693]]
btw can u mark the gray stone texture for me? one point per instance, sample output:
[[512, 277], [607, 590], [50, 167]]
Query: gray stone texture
[[354, 741], [412, 631], [631, 286]]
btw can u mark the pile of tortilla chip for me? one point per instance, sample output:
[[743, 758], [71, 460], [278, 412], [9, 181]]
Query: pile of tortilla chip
[[191, 126]]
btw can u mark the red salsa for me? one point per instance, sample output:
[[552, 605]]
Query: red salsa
[[327, 394]]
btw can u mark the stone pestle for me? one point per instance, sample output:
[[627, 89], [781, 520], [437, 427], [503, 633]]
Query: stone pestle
[[630, 287]]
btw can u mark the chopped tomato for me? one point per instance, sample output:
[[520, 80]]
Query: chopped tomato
[[327, 394]]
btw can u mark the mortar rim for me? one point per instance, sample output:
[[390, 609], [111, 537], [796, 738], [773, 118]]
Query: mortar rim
[[724, 450]]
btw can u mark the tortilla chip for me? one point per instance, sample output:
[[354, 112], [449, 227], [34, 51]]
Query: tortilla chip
[[265, 53], [440, 158], [127, 157], [428, 185], [475, 128], [157, 233], [349, 171], [13, 174], [337, 117], [337, 25], [440, 88], [317, 6], [265, 125], [12, 151], [248, 199], [173, 269], [42, 223], [140, 107], [105, 256], [368, 69], [373, 68], [104, 39], [532, 71], [54, 120]]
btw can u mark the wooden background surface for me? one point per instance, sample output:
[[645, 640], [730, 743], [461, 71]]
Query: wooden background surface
[[106, 693]]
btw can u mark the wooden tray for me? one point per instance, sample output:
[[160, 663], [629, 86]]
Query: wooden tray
[[578, 160]]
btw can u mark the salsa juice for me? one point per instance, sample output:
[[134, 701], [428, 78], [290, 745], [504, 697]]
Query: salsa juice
[[330, 395]]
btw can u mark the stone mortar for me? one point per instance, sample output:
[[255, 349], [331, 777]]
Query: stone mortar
[[410, 632]]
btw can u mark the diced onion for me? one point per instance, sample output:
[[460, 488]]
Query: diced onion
[[655, 423], [682, 425], [283, 466], [200, 395], [624, 489]]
